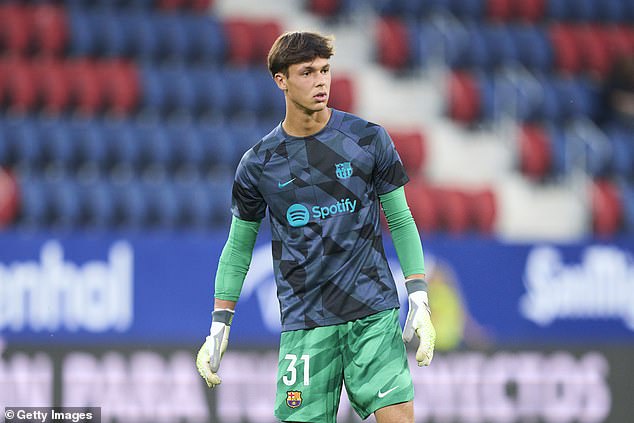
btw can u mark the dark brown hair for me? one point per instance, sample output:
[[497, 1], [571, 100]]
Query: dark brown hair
[[291, 48]]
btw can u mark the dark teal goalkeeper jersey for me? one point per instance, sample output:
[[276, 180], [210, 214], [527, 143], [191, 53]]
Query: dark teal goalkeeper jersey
[[321, 193]]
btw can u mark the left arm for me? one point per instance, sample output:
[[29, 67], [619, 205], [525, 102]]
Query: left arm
[[410, 255]]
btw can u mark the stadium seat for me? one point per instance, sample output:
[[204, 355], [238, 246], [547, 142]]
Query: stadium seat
[[534, 152], [54, 86], [266, 32], [530, 10], [455, 216], [34, 202], [27, 144], [424, 209], [90, 145], [99, 202], [156, 148], [88, 88], [165, 209], [60, 148], [606, 208], [124, 146], [209, 40], [8, 198], [534, 48], [241, 41], [483, 210], [133, 211], [21, 86], [568, 58], [622, 142], [342, 95], [187, 146], [627, 196], [464, 105], [499, 10], [393, 50], [324, 8], [16, 28], [50, 29], [121, 86], [66, 202], [411, 148], [82, 35]]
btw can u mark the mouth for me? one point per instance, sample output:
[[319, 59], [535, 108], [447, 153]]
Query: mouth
[[320, 97]]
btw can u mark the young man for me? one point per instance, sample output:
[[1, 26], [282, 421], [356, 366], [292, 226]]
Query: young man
[[321, 174]]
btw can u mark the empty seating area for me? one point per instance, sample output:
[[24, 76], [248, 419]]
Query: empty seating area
[[544, 64]]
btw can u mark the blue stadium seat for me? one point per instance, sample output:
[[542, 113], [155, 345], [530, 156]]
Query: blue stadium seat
[[197, 201], [551, 107], [208, 38], [211, 90], [478, 50], [218, 143], [66, 202], [173, 36], [111, 33], [627, 198], [164, 203], [27, 143], [34, 202], [154, 92], [156, 148], [92, 148], [187, 146], [100, 204], [179, 87], [82, 33], [244, 95], [502, 48], [133, 208], [61, 149], [560, 160], [612, 10], [486, 89], [468, 9], [141, 35], [124, 146], [534, 48], [220, 186], [623, 151]]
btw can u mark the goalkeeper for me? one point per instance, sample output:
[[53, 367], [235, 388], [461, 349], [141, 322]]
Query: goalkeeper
[[321, 174]]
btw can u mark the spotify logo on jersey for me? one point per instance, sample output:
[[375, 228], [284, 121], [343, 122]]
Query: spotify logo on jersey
[[297, 215]]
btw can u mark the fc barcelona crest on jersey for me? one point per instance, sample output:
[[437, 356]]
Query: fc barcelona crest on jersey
[[343, 170], [293, 398]]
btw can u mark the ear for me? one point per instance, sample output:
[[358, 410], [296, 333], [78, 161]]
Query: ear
[[280, 80]]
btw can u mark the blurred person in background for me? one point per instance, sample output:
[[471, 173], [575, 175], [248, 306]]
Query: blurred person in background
[[618, 94], [322, 173]]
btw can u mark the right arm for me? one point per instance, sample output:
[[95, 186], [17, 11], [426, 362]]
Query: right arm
[[232, 270]]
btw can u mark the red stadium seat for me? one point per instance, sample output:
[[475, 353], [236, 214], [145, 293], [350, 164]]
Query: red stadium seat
[[464, 100], [342, 95], [266, 32], [595, 55], [201, 5], [121, 86], [392, 44], [16, 28], [454, 210], [324, 8], [499, 10], [411, 148], [87, 86], [241, 40], [606, 208], [22, 85], [483, 209], [50, 29], [530, 10], [567, 55], [54, 85], [420, 198], [9, 202], [534, 152]]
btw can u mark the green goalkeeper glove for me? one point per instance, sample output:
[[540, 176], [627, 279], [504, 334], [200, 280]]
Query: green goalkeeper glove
[[209, 355], [419, 321]]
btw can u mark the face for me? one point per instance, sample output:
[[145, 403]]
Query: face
[[307, 85]]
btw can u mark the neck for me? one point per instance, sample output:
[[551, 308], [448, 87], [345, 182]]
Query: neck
[[302, 124]]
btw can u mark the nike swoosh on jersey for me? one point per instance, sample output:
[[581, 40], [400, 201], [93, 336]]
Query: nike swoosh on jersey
[[382, 394], [282, 185]]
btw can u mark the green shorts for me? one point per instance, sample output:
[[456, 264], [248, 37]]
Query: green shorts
[[367, 354]]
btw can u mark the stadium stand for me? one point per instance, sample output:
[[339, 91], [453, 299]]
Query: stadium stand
[[133, 113]]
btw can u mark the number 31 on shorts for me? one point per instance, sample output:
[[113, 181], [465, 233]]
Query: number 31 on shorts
[[291, 372]]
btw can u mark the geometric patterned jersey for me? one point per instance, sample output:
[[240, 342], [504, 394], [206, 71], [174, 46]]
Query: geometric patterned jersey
[[321, 193]]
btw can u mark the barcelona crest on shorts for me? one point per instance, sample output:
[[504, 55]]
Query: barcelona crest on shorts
[[294, 398], [343, 170]]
